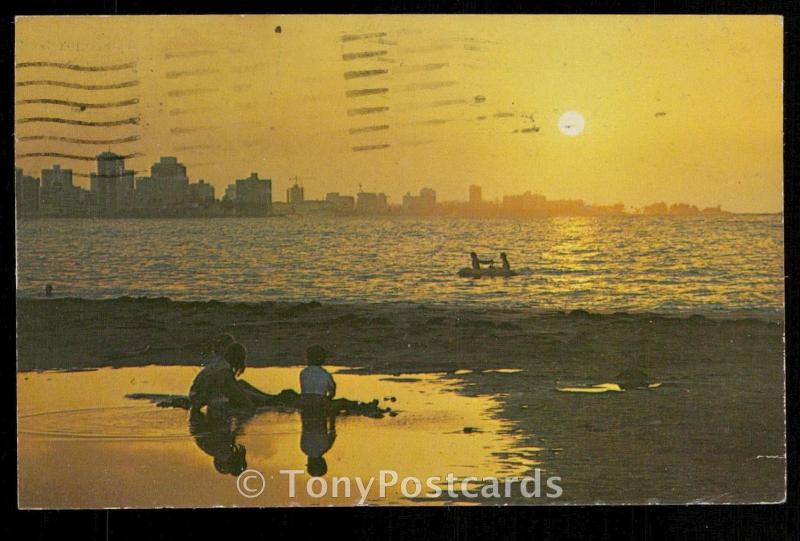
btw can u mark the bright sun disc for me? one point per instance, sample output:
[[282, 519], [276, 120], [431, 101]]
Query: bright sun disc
[[571, 123]]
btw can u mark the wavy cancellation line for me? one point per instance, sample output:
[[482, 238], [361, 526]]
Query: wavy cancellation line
[[70, 156], [79, 104], [356, 37], [363, 148], [66, 84], [72, 122], [76, 141], [76, 67]]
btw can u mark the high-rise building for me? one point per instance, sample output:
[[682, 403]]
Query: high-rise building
[[57, 196], [475, 195], [145, 195], [57, 177], [112, 185], [295, 194], [230, 193], [428, 198], [340, 203], [253, 196], [371, 203], [26, 190], [423, 203], [169, 184], [200, 193], [410, 202], [526, 203], [110, 165]]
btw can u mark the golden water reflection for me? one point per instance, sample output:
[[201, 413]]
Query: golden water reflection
[[82, 444]]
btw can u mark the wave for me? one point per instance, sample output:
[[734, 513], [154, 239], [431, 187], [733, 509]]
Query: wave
[[294, 307]]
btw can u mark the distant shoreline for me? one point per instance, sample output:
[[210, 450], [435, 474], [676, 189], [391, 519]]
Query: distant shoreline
[[398, 215]]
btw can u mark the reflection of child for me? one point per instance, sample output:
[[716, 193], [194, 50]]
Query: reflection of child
[[316, 384], [319, 433], [218, 439]]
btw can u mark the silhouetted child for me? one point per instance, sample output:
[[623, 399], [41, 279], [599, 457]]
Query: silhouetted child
[[217, 388], [222, 343], [317, 387]]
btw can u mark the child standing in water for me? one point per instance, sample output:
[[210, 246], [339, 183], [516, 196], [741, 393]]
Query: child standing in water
[[317, 387]]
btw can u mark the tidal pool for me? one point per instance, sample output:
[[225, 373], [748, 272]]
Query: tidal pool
[[82, 444]]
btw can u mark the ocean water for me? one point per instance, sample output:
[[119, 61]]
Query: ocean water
[[730, 264]]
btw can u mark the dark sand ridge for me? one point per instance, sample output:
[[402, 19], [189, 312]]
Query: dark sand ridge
[[706, 434]]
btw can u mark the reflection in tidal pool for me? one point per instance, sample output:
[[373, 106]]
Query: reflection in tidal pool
[[82, 444]]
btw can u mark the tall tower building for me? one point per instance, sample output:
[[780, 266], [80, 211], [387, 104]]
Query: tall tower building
[[26, 190], [170, 183], [253, 196], [295, 194], [110, 165], [57, 194], [112, 185], [475, 195]]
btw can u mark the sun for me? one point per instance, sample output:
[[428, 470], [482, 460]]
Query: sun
[[571, 123]]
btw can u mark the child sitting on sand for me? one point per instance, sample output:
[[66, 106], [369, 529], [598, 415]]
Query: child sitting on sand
[[222, 343], [216, 387], [317, 387]]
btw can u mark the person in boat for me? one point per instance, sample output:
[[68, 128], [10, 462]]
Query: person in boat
[[506, 264], [216, 387], [317, 387], [476, 262]]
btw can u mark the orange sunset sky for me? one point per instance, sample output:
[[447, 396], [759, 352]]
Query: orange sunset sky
[[676, 108]]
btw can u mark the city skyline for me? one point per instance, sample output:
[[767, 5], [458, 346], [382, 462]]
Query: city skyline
[[697, 118], [169, 191]]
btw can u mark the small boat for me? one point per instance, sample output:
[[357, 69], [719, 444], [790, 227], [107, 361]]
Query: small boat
[[490, 272]]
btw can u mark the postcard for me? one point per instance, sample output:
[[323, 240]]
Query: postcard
[[414, 260]]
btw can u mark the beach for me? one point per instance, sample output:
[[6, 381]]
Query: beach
[[710, 429]]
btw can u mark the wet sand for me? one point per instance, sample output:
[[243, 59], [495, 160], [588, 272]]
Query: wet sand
[[712, 432]]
